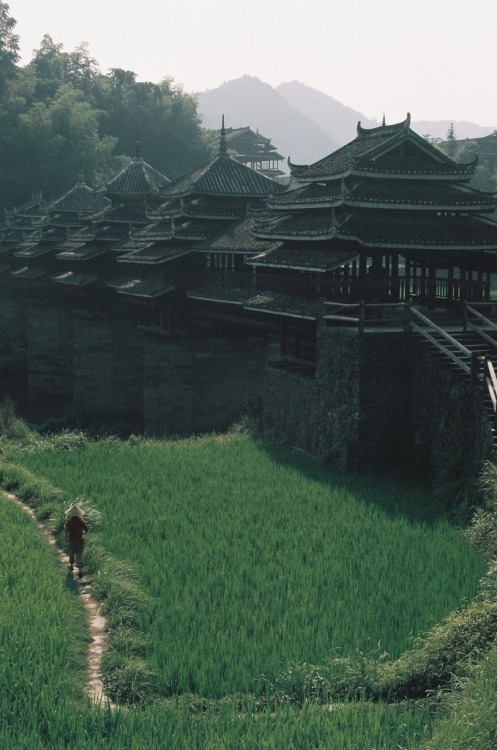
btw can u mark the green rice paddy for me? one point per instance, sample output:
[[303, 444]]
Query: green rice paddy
[[252, 560]]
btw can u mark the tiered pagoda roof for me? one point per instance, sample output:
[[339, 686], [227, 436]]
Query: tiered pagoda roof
[[137, 178], [375, 151], [223, 176], [80, 200], [388, 188], [253, 149]]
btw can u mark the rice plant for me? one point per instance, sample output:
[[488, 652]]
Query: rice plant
[[255, 560]]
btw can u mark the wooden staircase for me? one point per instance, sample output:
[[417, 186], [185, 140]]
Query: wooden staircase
[[464, 345]]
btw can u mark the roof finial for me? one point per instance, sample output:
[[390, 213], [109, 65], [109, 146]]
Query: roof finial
[[222, 143], [81, 177], [383, 122], [138, 150]]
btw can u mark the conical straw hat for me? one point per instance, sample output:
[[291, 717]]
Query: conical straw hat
[[74, 511]]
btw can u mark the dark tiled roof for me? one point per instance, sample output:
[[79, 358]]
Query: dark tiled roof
[[421, 194], [305, 259], [154, 232], [127, 213], [137, 178], [224, 176], [80, 251], [235, 133], [196, 229], [111, 232], [309, 196], [281, 304], [259, 301], [317, 225], [75, 279], [201, 207], [208, 206], [419, 231], [216, 293], [30, 236], [27, 273], [80, 198], [85, 234], [393, 192], [140, 288], [54, 234], [365, 151], [64, 218], [33, 250], [237, 238], [154, 254], [130, 245], [33, 207]]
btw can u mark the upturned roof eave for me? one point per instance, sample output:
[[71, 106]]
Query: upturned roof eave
[[475, 247], [362, 171], [315, 237], [419, 206], [305, 205], [287, 266]]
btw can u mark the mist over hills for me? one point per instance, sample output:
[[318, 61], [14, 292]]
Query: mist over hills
[[303, 123], [247, 101]]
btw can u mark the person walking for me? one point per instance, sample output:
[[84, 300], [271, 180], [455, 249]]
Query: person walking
[[75, 528]]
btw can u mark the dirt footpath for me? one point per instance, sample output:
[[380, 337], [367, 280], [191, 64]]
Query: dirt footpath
[[97, 623]]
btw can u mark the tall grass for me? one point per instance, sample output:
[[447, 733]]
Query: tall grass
[[42, 658], [253, 560], [43, 637]]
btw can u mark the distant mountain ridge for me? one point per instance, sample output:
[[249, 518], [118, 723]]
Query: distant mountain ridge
[[247, 101], [337, 119], [302, 122]]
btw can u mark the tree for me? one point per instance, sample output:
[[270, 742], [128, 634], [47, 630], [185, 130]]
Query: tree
[[451, 142], [60, 115], [9, 45]]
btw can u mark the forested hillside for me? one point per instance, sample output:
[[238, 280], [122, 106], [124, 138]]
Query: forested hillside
[[60, 115]]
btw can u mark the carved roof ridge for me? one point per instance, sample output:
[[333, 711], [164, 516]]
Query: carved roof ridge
[[384, 129]]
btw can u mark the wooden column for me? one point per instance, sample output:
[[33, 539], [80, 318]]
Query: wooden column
[[407, 279], [362, 276], [394, 275], [481, 295], [432, 285], [450, 284], [422, 281]]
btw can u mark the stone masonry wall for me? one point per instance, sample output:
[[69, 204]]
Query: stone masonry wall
[[196, 385], [379, 402], [450, 430], [49, 354], [13, 346], [108, 370], [318, 416]]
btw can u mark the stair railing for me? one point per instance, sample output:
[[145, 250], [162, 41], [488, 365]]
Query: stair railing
[[473, 365], [491, 382], [469, 310], [363, 314]]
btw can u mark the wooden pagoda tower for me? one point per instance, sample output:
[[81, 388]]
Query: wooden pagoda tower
[[386, 218], [253, 149]]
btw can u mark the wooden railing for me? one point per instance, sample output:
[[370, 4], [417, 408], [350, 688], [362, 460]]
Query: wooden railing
[[463, 357], [364, 315], [490, 380], [475, 321]]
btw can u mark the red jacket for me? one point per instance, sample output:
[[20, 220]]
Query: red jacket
[[75, 528]]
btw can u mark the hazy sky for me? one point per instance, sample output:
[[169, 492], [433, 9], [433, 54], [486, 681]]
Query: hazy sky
[[433, 58]]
